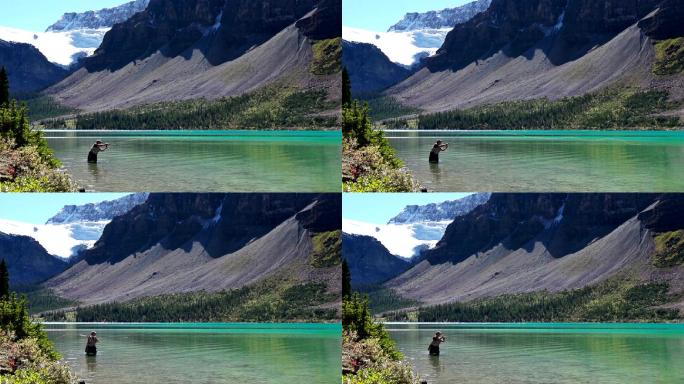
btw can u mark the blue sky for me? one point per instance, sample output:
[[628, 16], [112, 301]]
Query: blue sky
[[378, 208], [37, 15], [379, 15], [37, 208]]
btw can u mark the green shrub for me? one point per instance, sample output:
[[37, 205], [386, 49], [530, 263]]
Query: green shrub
[[327, 249], [669, 57], [669, 249], [327, 56]]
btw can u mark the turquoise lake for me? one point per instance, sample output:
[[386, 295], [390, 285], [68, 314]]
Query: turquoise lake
[[203, 161], [537, 353], [546, 161], [202, 353]]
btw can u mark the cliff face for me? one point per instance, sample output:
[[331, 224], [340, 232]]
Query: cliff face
[[516, 26], [28, 69], [515, 219], [222, 29], [28, 262]]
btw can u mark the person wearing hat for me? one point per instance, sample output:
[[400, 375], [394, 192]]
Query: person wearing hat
[[434, 345], [436, 149], [98, 147], [91, 344]]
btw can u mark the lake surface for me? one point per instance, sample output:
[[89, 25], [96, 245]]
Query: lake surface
[[546, 161], [546, 353], [203, 161], [202, 353]]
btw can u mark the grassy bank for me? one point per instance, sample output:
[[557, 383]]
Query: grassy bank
[[610, 109], [614, 300], [273, 108]]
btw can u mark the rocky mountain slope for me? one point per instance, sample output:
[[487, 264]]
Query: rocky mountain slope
[[544, 48], [188, 49], [74, 228], [103, 18], [369, 261], [28, 262], [177, 243], [27, 68], [518, 243], [437, 212]]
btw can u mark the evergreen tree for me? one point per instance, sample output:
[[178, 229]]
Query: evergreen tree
[[4, 280], [4, 87], [346, 279], [346, 87]]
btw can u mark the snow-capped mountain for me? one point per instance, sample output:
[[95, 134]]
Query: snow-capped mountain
[[446, 18], [447, 210], [75, 35], [74, 228], [104, 211], [416, 228], [417, 35], [103, 18]]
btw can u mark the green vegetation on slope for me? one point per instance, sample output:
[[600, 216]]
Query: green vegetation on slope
[[43, 107], [369, 163], [669, 249], [327, 57], [26, 162], [669, 57], [614, 300], [26, 354], [269, 301], [40, 300], [274, 107], [386, 299], [613, 108], [386, 107], [327, 250]]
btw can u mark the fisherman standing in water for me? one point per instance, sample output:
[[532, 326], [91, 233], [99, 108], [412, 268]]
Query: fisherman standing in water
[[98, 147], [436, 149], [91, 345], [436, 341]]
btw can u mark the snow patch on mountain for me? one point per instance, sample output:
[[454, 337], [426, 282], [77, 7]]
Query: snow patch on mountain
[[417, 35], [58, 240], [405, 48], [74, 228], [75, 35], [404, 241], [63, 48], [417, 227]]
